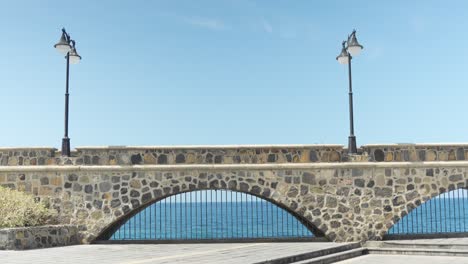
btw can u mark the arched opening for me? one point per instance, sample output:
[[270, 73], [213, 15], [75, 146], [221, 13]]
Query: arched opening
[[445, 215], [211, 216]]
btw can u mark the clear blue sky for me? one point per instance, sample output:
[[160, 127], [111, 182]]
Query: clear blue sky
[[233, 72]]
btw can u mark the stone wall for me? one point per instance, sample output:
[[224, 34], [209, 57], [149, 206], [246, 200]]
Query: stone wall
[[347, 201], [417, 152], [253, 154], [173, 155], [38, 237]]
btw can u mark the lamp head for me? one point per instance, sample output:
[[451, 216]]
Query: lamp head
[[63, 46], [73, 55], [354, 47], [343, 58]]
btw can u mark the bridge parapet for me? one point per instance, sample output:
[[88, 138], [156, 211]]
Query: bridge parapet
[[416, 152], [173, 155], [243, 154], [28, 156]]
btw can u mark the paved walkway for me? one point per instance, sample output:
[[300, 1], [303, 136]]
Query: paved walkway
[[393, 259], [243, 253], [414, 259]]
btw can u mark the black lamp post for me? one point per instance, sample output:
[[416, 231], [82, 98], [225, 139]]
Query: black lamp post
[[350, 47], [66, 46]]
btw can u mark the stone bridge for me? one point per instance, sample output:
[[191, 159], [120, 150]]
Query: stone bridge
[[345, 197]]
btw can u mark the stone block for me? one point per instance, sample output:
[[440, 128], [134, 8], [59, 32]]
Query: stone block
[[39, 237]]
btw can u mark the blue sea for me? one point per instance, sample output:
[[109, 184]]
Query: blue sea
[[438, 215], [230, 215], [212, 220]]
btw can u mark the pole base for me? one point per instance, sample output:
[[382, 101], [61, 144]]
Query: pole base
[[352, 149], [66, 146]]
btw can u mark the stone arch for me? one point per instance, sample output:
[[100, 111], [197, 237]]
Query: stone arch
[[442, 181], [107, 232], [152, 192]]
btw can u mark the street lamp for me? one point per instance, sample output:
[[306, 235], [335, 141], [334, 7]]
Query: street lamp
[[350, 47], [66, 46]]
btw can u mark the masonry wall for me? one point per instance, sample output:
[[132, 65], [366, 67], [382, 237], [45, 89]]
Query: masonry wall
[[39, 237], [248, 154], [347, 201]]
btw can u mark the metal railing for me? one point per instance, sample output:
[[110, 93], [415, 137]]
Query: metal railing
[[445, 215], [213, 215]]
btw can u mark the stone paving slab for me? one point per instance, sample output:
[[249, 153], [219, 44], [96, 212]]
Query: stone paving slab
[[392, 259], [243, 253]]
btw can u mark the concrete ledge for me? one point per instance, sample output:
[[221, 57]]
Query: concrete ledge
[[191, 147], [416, 145], [248, 146], [38, 237], [27, 148], [415, 244], [313, 255], [275, 166], [417, 251], [335, 257]]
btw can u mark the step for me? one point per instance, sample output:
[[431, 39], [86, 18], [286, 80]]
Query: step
[[332, 258], [417, 251], [312, 254], [416, 245]]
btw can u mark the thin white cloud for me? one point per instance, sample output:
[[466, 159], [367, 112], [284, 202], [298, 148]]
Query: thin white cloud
[[267, 26], [203, 22]]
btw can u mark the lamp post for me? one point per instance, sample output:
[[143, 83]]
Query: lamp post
[[66, 46], [351, 47]]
